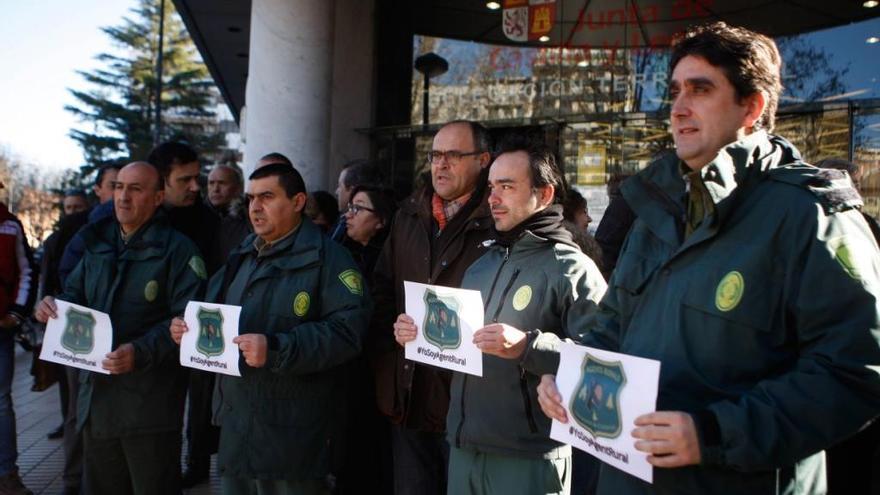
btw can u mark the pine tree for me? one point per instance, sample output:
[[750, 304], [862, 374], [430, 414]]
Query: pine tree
[[120, 106]]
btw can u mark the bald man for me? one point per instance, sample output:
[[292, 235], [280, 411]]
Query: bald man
[[142, 272]]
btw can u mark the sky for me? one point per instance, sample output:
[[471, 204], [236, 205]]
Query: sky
[[42, 45]]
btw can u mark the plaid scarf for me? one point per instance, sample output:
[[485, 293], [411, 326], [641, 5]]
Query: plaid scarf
[[443, 211]]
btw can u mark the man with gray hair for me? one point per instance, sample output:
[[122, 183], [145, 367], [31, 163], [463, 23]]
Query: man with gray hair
[[436, 234]]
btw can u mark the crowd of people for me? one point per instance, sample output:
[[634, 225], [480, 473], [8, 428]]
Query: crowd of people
[[751, 276]]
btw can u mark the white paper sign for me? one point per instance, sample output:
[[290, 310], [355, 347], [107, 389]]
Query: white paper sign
[[603, 393], [207, 345], [80, 337], [447, 319]]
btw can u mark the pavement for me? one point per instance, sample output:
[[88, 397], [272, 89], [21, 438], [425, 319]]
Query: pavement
[[40, 460]]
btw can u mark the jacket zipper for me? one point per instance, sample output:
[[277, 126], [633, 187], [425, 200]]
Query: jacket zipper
[[464, 380], [523, 383], [524, 389]]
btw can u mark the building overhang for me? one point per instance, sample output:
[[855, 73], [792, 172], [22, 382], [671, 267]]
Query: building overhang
[[221, 28]]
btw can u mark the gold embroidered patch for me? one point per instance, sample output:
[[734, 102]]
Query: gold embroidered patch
[[301, 304], [151, 290], [522, 297], [730, 291], [352, 281], [197, 264]]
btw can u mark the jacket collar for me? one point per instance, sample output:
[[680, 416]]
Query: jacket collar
[[151, 240], [736, 168], [306, 248]]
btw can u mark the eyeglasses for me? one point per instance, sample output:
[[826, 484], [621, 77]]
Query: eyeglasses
[[354, 209], [452, 156]]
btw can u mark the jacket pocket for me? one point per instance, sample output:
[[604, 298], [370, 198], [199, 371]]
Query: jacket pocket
[[633, 272], [730, 329]]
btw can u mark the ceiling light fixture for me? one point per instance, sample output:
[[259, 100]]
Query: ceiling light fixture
[[544, 39], [870, 4], [872, 40], [493, 5], [583, 63]]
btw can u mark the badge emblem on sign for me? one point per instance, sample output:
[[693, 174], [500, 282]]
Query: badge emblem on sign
[[210, 341], [730, 291], [595, 405], [442, 325], [79, 333]]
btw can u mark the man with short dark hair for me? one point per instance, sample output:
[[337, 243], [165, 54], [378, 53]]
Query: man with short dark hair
[[180, 168], [141, 272], [303, 315], [104, 179], [753, 279], [533, 278], [75, 201], [436, 234], [273, 157]]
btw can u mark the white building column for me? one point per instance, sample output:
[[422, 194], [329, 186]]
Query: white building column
[[303, 98], [290, 68]]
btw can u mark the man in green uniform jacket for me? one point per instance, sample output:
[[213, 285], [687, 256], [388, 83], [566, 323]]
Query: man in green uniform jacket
[[304, 313], [754, 281], [141, 272], [534, 276]]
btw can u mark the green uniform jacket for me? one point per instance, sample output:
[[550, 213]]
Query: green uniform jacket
[[141, 285], [765, 320], [281, 421], [536, 286]]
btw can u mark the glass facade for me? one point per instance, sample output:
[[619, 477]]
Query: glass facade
[[606, 111]]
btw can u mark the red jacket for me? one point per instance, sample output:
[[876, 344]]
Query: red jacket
[[17, 276]]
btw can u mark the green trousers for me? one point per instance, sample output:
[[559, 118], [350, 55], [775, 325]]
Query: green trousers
[[474, 473], [243, 486]]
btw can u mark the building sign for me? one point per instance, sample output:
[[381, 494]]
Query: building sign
[[528, 20], [590, 165]]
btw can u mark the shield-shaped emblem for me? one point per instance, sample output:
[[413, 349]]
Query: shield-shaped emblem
[[79, 333], [442, 325], [210, 342], [595, 404]]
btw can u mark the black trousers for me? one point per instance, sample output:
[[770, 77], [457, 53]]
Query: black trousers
[[203, 437], [132, 465], [421, 460]]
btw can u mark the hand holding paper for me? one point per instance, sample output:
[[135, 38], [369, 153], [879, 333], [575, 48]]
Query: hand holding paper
[[207, 336], [550, 400], [438, 327], [253, 347], [178, 328], [502, 340], [405, 329], [46, 309], [80, 337], [670, 437], [603, 393], [120, 361]]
